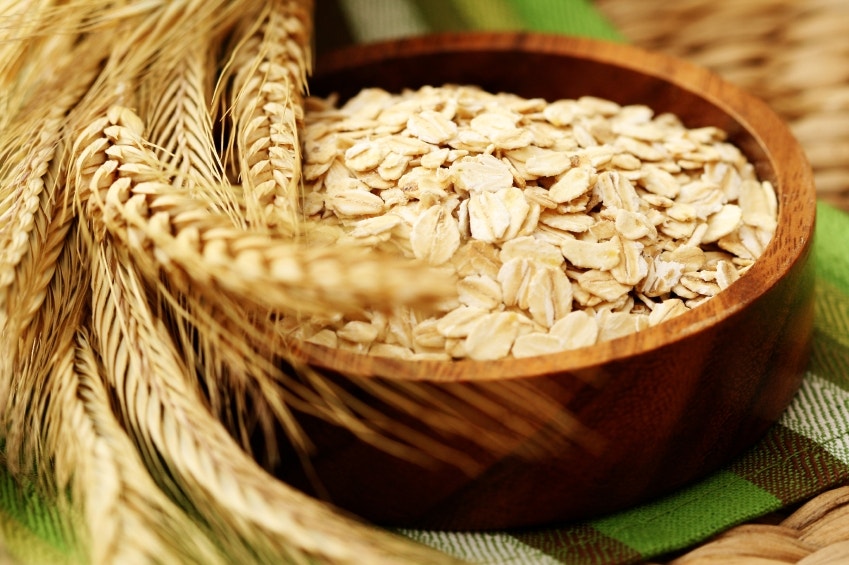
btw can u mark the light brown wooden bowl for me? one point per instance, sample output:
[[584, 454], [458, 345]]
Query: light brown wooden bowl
[[659, 408]]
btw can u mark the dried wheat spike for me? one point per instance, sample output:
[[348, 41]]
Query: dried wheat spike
[[127, 500], [38, 285], [130, 196], [126, 194], [231, 349], [119, 180], [26, 210], [177, 101], [31, 362], [34, 204], [181, 129], [64, 408], [159, 401], [267, 109]]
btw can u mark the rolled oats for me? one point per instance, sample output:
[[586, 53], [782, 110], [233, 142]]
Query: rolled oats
[[480, 291], [565, 223], [546, 163], [358, 332], [536, 343], [666, 310], [481, 173], [489, 216], [355, 203], [427, 337], [571, 184], [461, 321], [576, 329], [493, 337], [431, 127], [549, 296], [435, 235], [601, 256]]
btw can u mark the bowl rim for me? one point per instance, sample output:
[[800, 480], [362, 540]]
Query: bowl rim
[[787, 160]]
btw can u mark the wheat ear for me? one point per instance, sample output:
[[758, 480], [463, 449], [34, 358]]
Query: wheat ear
[[233, 360], [128, 518], [165, 229], [34, 204], [23, 46], [76, 441], [113, 163], [267, 110], [177, 101], [32, 361], [160, 403]]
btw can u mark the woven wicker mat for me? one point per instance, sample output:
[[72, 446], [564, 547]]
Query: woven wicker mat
[[794, 54]]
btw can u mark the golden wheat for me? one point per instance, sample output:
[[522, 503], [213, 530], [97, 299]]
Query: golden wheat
[[70, 418], [31, 361], [34, 202], [232, 357], [267, 111], [133, 200], [19, 76], [163, 408], [129, 518], [165, 229], [149, 193], [141, 209], [229, 365], [178, 100]]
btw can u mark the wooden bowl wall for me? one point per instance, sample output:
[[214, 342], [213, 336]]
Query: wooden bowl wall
[[669, 404]]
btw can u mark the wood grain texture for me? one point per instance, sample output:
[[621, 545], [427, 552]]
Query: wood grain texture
[[667, 405]]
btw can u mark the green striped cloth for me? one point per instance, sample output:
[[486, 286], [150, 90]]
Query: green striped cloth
[[346, 21], [806, 453]]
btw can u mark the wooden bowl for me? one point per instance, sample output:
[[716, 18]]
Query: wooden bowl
[[584, 432]]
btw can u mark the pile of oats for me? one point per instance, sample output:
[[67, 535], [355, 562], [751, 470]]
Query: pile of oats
[[566, 223]]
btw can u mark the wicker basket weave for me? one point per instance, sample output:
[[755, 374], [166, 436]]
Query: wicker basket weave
[[794, 54], [815, 534]]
